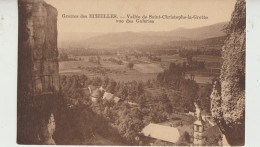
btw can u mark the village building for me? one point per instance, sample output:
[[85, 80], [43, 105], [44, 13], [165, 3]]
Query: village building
[[205, 129], [198, 132], [107, 96], [198, 129], [132, 103], [116, 99], [110, 97], [102, 89], [96, 95], [161, 132], [100, 93], [91, 88]]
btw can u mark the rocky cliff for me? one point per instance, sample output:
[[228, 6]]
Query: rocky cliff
[[38, 75], [228, 96]]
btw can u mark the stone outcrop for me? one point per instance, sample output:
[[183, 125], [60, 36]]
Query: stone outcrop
[[38, 72], [228, 95]]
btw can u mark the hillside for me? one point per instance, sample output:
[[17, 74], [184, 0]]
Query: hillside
[[134, 39], [204, 32]]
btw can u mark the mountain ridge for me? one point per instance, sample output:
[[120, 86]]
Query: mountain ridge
[[132, 39]]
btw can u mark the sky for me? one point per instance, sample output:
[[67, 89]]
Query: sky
[[216, 11]]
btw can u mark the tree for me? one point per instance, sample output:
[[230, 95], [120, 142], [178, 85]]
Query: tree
[[189, 93], [166, 103], [142, 101], [97, 81], [130, 65], [213, 140], [140, 89], [172, 76], [105, 82], [111, 86], [64, 57], [123, 91], [149, 84], [184, 139]]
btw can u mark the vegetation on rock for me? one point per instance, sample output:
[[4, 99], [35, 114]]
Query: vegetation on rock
[[228, 95]]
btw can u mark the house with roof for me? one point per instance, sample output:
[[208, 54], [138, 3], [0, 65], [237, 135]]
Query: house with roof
[[203, 135], [91, 88], [107, 96], [100, 93], [198, 130], [198, 133], [161, 132], [96, 95], [101, 88], [116, 99], [110, 97], [206, 135], [132, 103]]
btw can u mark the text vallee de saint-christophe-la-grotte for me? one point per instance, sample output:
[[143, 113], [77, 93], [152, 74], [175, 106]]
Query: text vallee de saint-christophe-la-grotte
[[134, 16]]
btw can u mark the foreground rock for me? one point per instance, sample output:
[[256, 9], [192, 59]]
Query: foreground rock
[[38, 79], [228, 96]]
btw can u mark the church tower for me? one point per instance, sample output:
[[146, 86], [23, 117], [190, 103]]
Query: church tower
[[198, 128]]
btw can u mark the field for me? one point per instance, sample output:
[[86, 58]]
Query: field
[[140, 71], [143, 68], [148, 68]]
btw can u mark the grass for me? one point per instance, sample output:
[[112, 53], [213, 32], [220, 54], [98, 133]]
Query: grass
[[142, 72], [148, 68]]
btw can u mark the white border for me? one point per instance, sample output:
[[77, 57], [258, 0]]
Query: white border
[[8, 72], [252, 73]]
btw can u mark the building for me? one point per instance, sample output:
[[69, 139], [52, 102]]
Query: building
[[198, 133], [198, 129], [91, 88], [132, 103], [161, 132], [107, 96], [101, 88], [110, 97], [96, 95], [116, 99]]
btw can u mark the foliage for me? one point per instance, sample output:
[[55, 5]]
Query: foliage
[[172, 76], [95, 60], [189, 93], [213, 140], [65, 57], [184, 138], [130, 65], [128, 120], [119, 62], [228, 101]]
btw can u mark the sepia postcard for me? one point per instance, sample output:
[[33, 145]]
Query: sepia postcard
[[131, 72]]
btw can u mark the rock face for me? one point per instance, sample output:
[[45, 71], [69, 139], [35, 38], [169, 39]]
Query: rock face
[[38, 72], [228, 95]]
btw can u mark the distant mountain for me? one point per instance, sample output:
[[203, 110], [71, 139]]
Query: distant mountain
[[199, 33], [133, 39], [74, 38]]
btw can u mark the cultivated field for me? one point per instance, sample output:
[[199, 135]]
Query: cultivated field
[[118, 72], [143, 68]]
